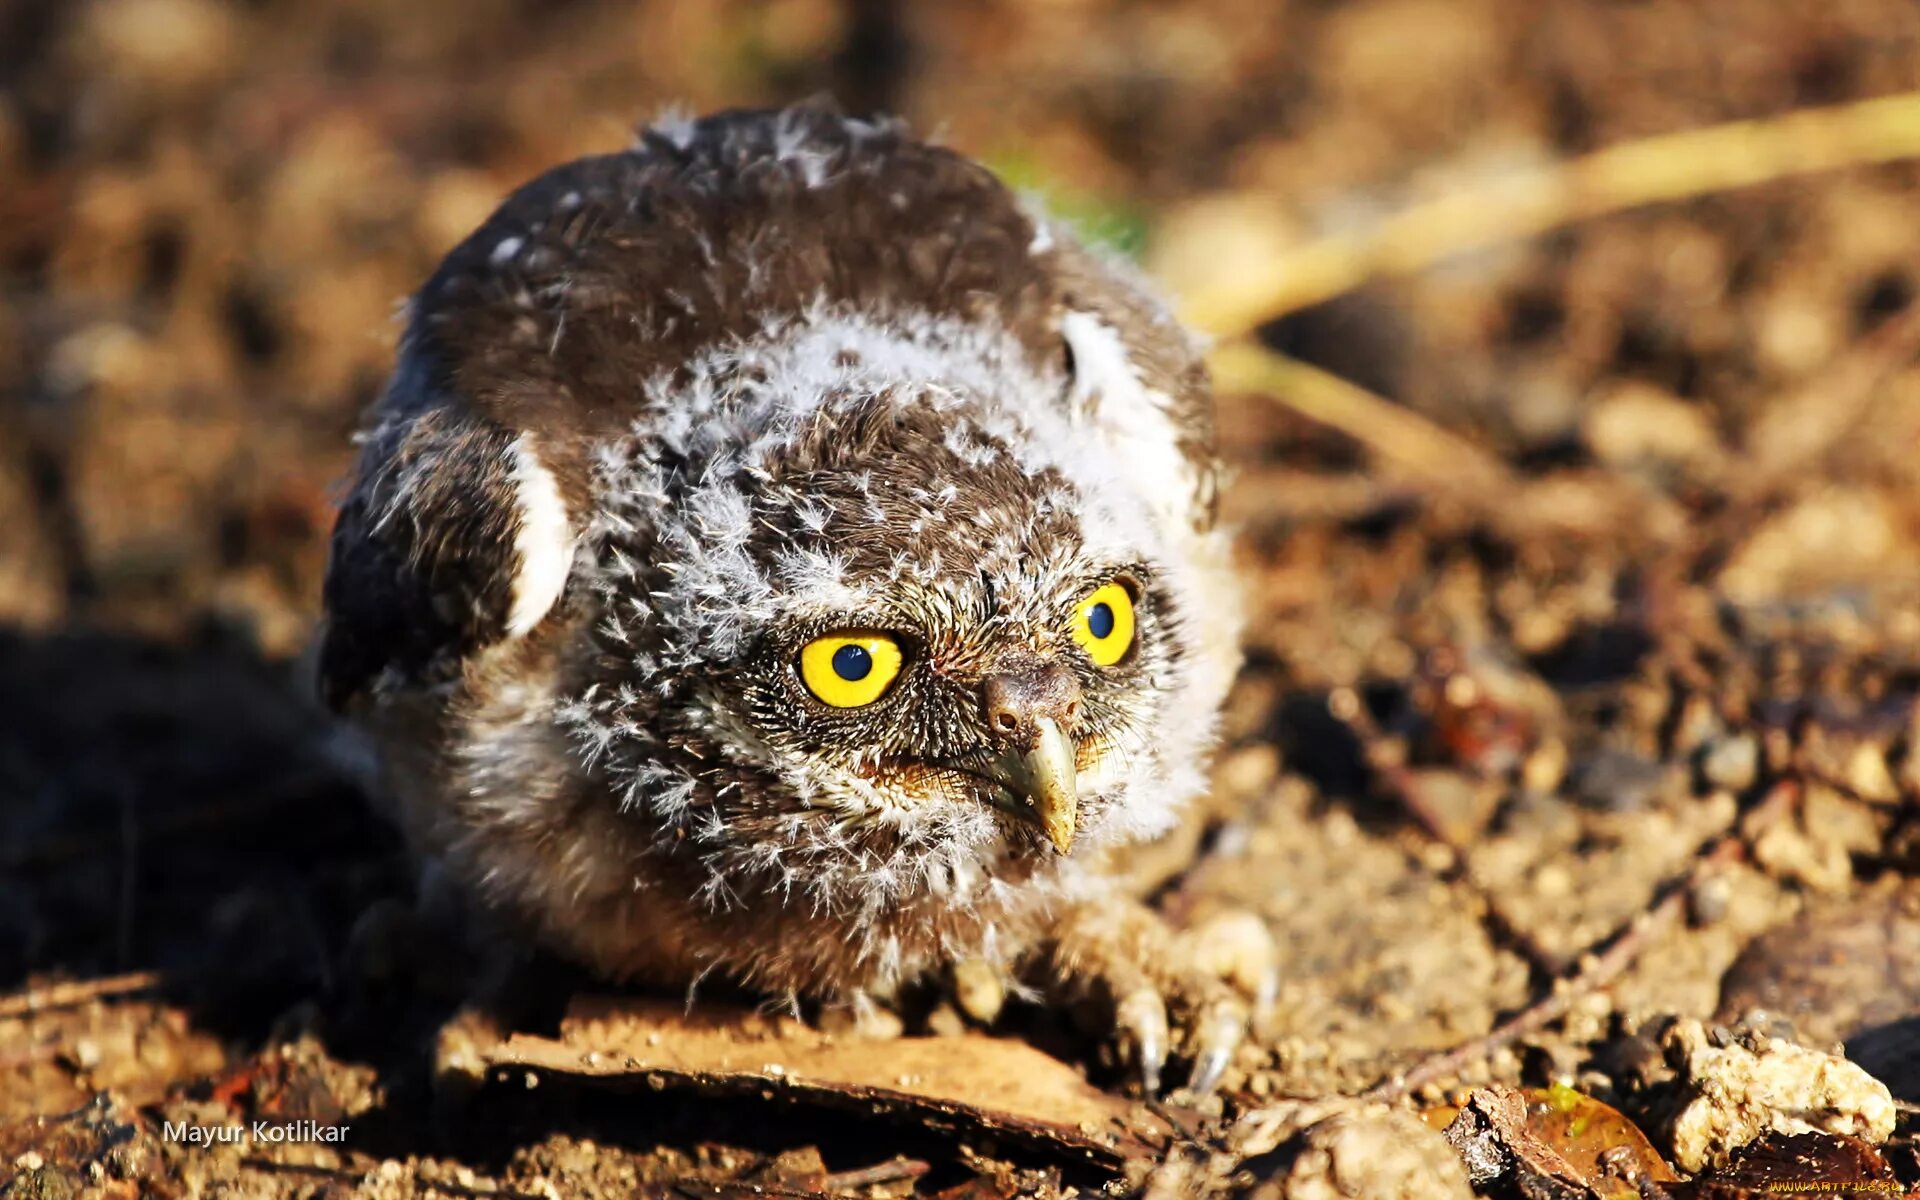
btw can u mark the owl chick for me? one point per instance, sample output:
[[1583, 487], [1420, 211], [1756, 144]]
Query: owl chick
[[780, 556]]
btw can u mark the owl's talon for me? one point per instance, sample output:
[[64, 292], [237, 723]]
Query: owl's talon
[[1220, 1033], [1266, 998], [877, 1024], [1237, 947], [1141, 1016], [1214, 975], [861, 1017], [979, 989]]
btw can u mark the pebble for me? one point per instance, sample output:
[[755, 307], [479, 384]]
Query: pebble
[[1731, 762], [1614, 780]]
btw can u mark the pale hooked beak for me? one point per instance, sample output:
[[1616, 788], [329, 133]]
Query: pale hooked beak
[[1039, 774]]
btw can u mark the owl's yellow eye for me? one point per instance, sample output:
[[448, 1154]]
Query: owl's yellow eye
[[1103, 624], [850, 668]]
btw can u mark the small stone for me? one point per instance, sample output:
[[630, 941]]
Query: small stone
[[1731, 1094], [1869, 778], [1545, 768], [1385, 1156], [1708, 901], [1249, 771], [86, 1054], [1731, 762], [1637, 425], [1614, 780]]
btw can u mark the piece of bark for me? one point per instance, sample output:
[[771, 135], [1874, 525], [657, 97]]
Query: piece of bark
[[1775, 1165], [965, 1084]]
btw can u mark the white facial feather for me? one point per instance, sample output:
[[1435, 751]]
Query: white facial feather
[[1131, 417], [542, 541], [738, 408]]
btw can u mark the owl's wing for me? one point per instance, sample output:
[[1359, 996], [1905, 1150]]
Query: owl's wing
[[454, 537], [1140, 378]]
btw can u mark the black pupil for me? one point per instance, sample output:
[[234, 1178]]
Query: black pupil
[[1100, 620], [852, 663]]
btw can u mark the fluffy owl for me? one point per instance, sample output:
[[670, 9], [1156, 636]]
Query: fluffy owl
[[781, 556]]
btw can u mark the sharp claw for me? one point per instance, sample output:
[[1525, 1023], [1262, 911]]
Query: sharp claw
[[1221, 1033], [861, 1017], [1143, 1016], [978, 989], [1236, 946], [1266, 997]]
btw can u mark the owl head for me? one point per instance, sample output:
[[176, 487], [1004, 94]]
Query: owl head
[[846, 523]]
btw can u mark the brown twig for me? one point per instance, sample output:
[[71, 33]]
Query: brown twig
[[884, 1172], [1675, 166], [1613, 956], [70, 995]]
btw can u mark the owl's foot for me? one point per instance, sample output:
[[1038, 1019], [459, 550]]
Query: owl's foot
[[979, 989], [861, 1016], [1213, 980]]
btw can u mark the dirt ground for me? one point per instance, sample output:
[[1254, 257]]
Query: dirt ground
[[1652, 677]]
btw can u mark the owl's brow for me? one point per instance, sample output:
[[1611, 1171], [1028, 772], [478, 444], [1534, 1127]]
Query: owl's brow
[[1140, 572]]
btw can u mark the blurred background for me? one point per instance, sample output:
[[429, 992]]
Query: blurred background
[[211, 209], [1689, 430]]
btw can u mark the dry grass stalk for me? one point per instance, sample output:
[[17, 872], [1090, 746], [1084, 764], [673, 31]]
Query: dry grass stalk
[[71, 995], [1673, 166], [1393, 432]]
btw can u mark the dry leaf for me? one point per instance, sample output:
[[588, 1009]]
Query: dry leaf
[[1553, 1143]]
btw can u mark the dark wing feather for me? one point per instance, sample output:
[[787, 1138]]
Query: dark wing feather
[[423, 554]]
